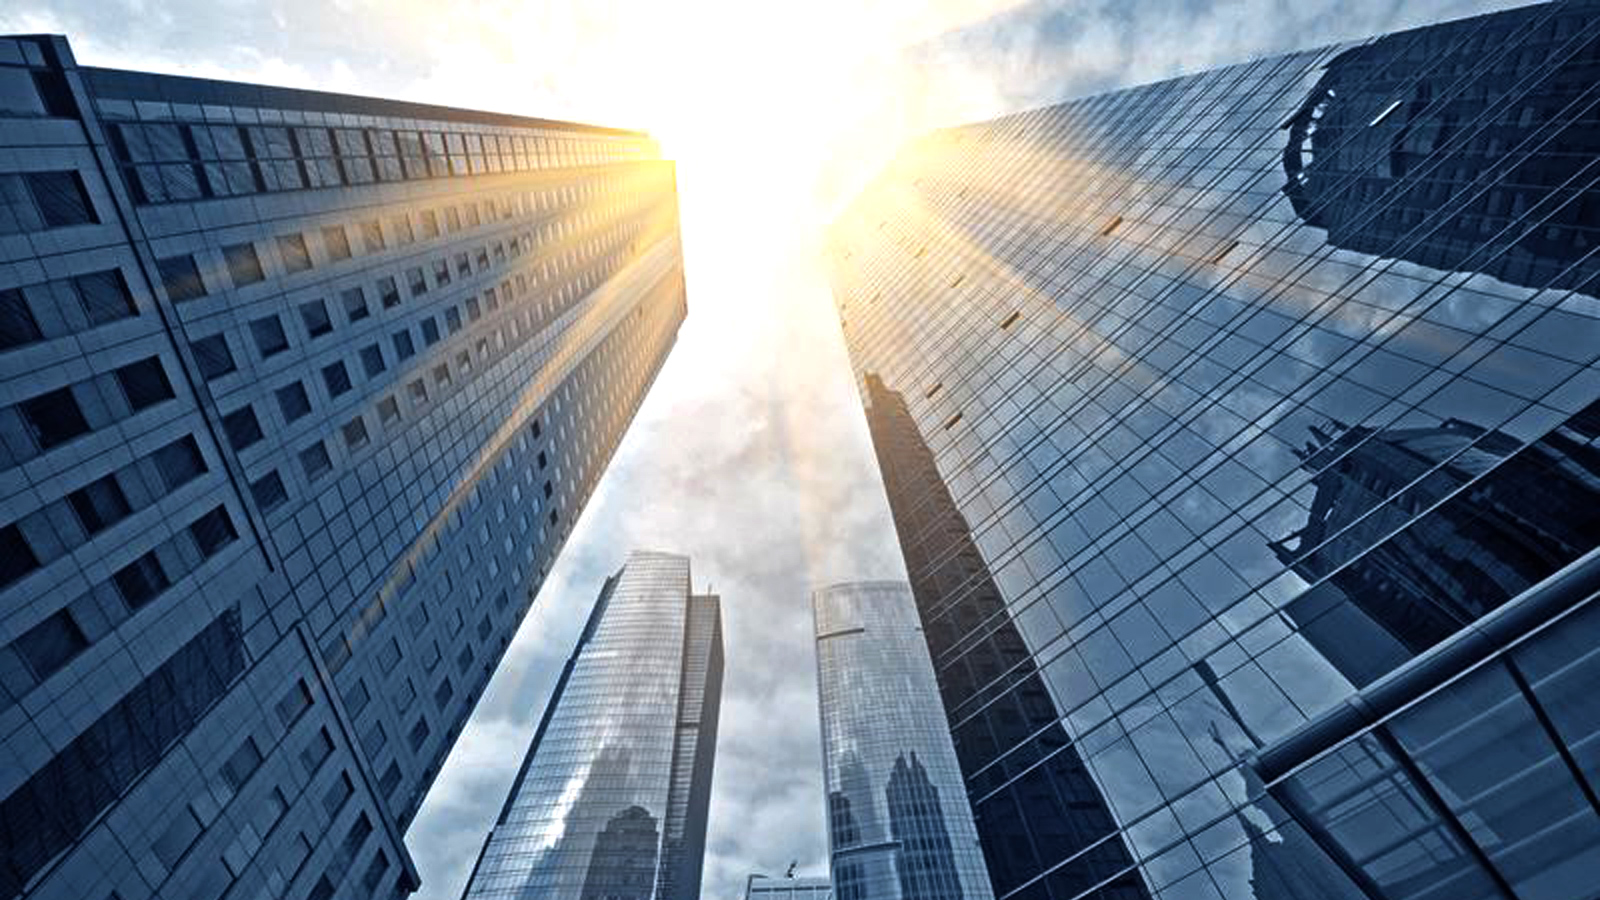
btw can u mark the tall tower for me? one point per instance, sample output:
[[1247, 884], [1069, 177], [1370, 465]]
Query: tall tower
[[612, 797], [899, 827], [1240, 436], [300, 394]]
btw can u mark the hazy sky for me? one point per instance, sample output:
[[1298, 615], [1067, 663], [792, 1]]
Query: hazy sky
[[751, 453]]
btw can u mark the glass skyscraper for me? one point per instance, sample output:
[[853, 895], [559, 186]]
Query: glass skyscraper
[[899, 827], [300, 394], [611, 800], [1240, 436]]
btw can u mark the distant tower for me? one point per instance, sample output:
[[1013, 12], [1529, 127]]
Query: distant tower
[[611, 800]]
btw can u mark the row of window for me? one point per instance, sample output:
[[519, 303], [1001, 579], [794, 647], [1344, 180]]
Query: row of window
[[66, 306], [35, 201], [48, 420]]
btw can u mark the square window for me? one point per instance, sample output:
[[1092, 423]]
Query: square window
[[269, 336], [212, 357], [401, 226], [179, 462], [16, 557], [388, 411], [242, 427], [336, 377], [416, 281], [104, 296], [213, 531], [355, 433], [99, 504], [430, 331], [315, 461], [355, 304], [140, 581], [54, 417], [337, 242], [441, 272], [314, 313], [404, 347], [244, 266], [463, 266], [473, 310], [441, 375], [295, 252], [419, 392], [293, 401], [388, 292], [144, 383], [452, 319], [60, 198], [372, 360], [268, 491], [181, 278], [48, 646], [372, 236], [17, 325]]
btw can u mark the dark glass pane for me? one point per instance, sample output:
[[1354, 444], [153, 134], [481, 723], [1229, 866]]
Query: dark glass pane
[[212, 356], [315, 316], [54, 418], [141, 580], [293, 401], [181, 278], [51, 644], [145, 383], [179, 462], [212, 532], [104, 296], [269, 336], [60, 198], [99, 504], [268, 491], [16, 557], [244, 265]]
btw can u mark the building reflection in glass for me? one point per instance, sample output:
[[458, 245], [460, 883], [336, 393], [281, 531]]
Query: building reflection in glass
[[1203, 405], [899, 824], [611, 800]]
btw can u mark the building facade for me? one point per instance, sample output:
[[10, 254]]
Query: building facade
[[899, 827], [764, 887], [1240, 436], [612, 797], [300, 394]]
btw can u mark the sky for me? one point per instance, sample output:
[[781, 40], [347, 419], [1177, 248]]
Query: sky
[[750, 454]]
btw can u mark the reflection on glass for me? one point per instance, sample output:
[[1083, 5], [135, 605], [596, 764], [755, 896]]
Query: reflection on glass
[[1427, 146]]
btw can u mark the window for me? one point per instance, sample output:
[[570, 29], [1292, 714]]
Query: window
[[336, 377], [54, 418], [293, 401], [314, 459], [543, 460], [48, 646], [389, 780], [452, 319], [269, 337], [242, 427], [372, 236], [212, 532], [357, 698], [372, 360], [452, 218], [314, 313], [144, 383], [296, 254], [374, 740], [401, 226], [443, 693], [140, 581], [355, 433], [316, 750], [293, 703], [104, 296], [179, 462], [430, 331], [268, 491], [416, 281], [181, 278], [60, 198], [473, 310], [337, 242], [404, 347], [238, 768], [388, 292], [16, 557], [212, 356], [419, 392], [244, 266], [441, 375], [99, 504], [355, 304], [174, 842], [430, 223], [1010, 320], [463, 265], [388, 411], [17, 325], [441, 271], [419, 734]]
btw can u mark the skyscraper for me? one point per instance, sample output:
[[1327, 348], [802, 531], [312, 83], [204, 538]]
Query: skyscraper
[[300, 394], [611, 800], [1240, 436], [898, 821]]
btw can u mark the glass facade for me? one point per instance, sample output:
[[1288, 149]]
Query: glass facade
[[611, 800], [1237, 429], [898, 821], [292, 426]]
